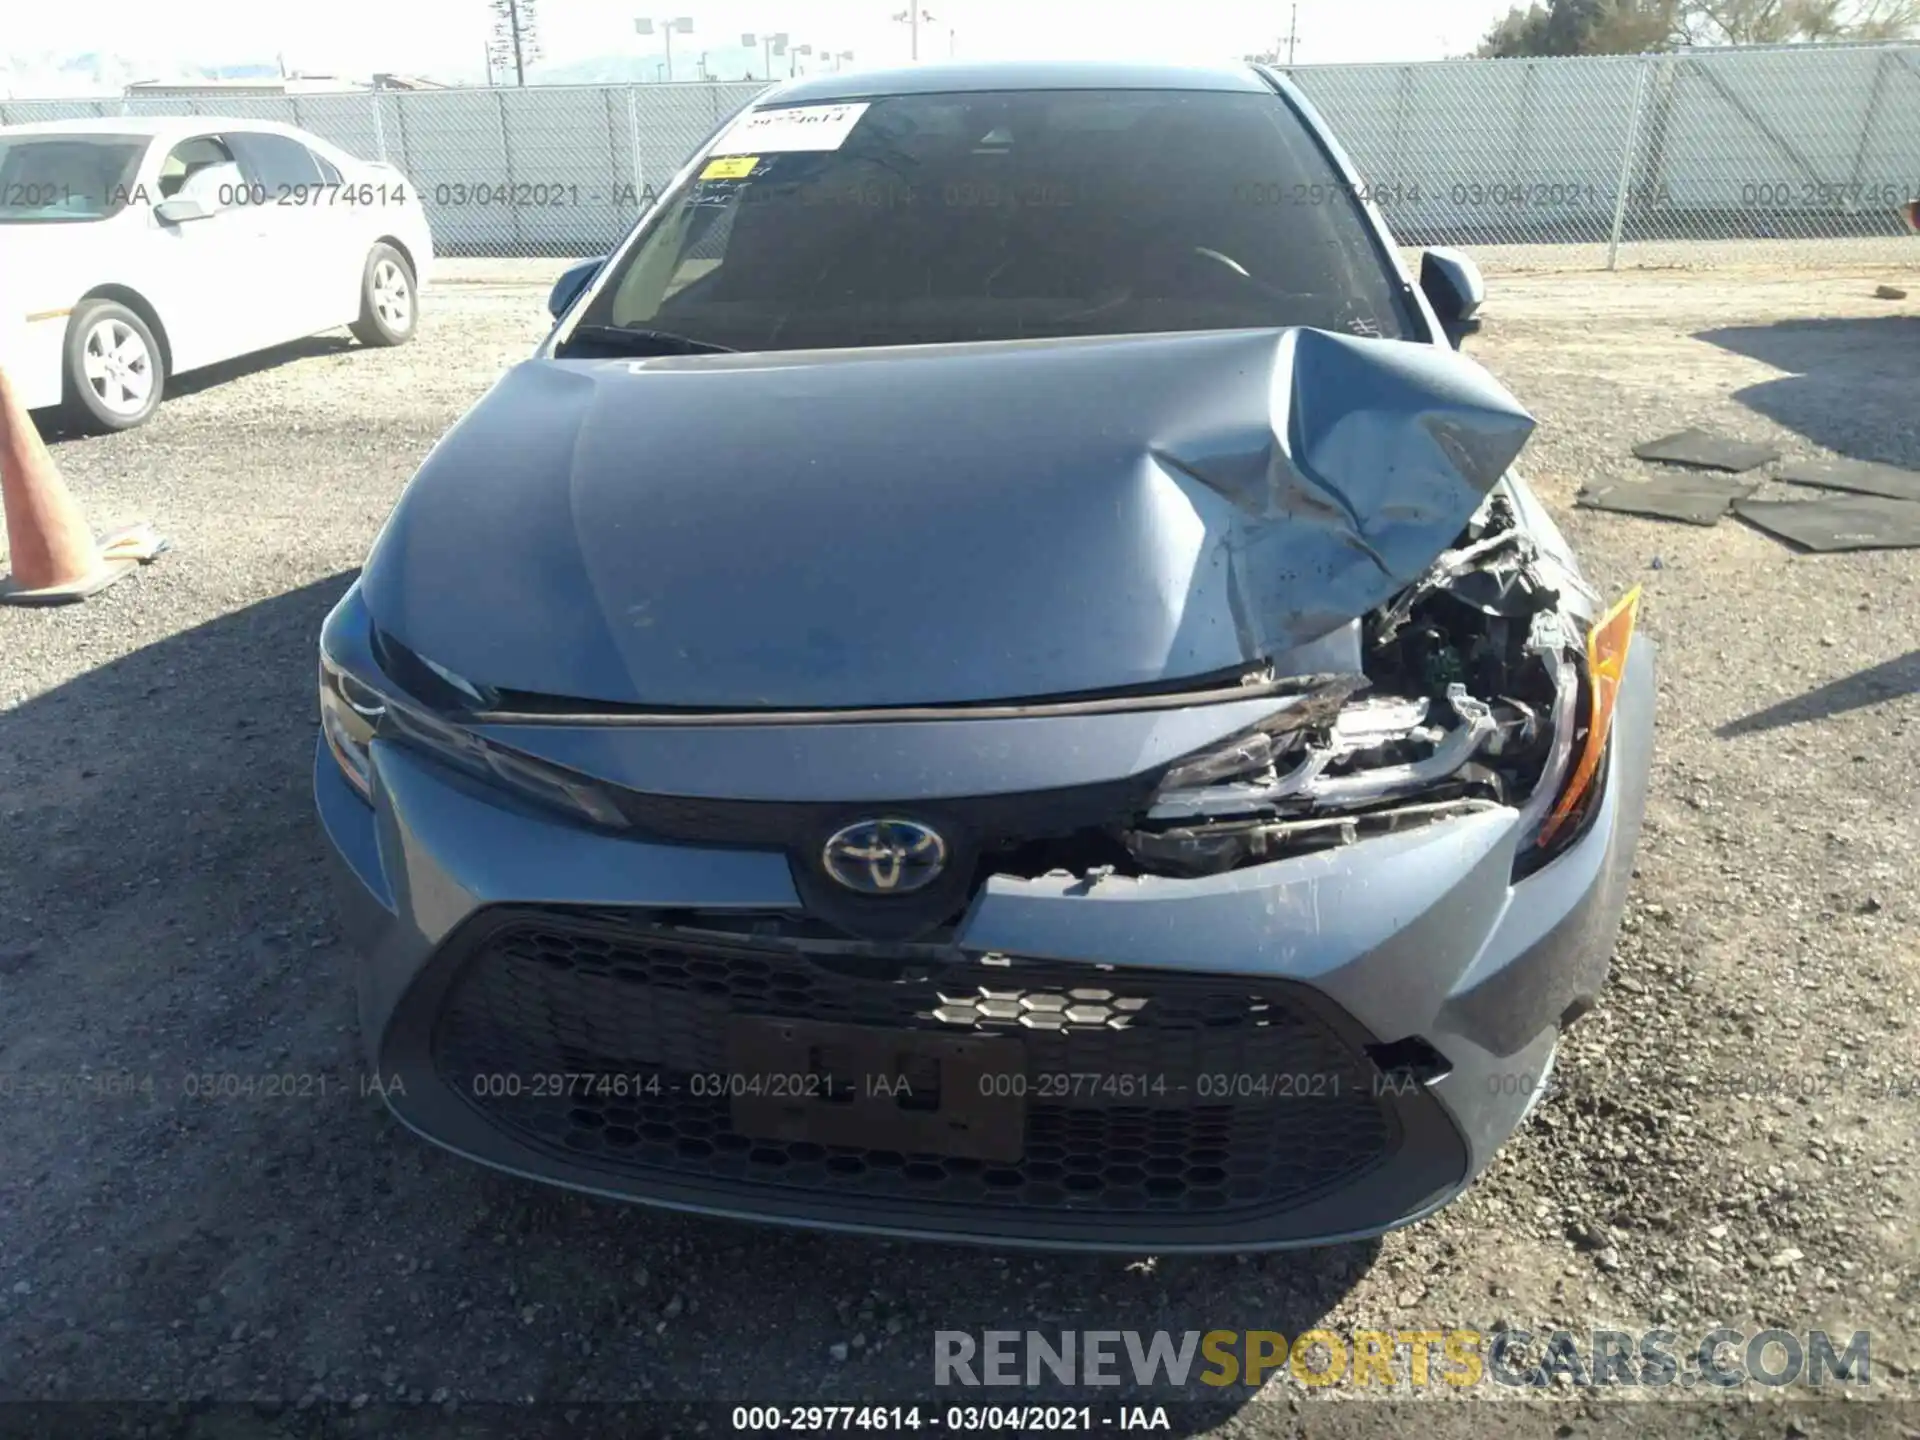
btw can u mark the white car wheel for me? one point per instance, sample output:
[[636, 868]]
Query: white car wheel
[[393, 295], [389, 304], [119, 367], [115, 369]]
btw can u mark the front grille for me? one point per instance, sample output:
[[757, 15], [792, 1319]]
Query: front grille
[[991, 821], [1145, 1091]]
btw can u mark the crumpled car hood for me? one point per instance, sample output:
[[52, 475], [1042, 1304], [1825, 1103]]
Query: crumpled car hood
[[933, 525]]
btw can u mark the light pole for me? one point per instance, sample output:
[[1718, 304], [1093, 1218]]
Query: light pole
[[681, 23], [912, 17], [771, 45], [841, 58]]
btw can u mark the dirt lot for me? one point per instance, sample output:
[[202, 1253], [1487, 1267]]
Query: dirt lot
[[1732, 1140]]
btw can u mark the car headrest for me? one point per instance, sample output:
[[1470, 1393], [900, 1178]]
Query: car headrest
[[214, 186]]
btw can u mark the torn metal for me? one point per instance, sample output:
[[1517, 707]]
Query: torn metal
[[1202, 850], [1083, 524], [1472, 687]]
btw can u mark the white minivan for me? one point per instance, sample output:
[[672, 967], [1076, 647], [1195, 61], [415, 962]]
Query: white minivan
[[143, 247]]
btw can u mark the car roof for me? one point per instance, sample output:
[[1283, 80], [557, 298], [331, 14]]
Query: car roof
[[155, 126], [936, 78]]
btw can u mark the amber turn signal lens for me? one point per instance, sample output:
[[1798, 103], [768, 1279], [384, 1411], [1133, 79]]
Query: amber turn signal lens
[[1607, 646]]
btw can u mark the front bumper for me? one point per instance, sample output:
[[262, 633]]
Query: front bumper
[[497, 942]]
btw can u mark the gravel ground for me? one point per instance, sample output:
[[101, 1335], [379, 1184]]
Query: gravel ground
[[1731, 1138]]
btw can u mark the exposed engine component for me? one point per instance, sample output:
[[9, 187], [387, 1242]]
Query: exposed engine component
[[1205, 850], [1472, 681]]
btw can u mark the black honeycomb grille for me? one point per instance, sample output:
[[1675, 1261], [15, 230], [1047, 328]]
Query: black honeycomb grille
[[1169, 1092]]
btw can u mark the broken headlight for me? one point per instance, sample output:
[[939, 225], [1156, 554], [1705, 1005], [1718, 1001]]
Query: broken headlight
[[354, 714], [1479, 693], [1562, 803], [1370, 764]]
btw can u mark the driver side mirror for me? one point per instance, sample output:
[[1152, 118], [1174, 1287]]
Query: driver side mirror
[[1453, 286], [179, 210], [572, 281]]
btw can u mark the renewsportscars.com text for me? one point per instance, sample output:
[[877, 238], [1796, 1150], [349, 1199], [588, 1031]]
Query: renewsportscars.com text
[[1392, 1358]]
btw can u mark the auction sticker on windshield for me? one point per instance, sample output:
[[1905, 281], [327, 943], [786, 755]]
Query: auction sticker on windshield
[[732, 167], [796, 127]]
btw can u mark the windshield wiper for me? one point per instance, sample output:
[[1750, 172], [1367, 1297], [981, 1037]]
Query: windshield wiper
[[634, 340]]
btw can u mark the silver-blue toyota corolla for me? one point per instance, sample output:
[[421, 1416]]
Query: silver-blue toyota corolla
[[991, 680]]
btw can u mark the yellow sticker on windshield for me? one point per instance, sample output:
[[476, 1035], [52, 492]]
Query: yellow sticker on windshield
[[730, 167]]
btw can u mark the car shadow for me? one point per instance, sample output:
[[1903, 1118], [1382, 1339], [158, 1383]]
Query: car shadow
[[55, 429], [1888, 680], [1848, 383], [312, 347], [256, 1224]]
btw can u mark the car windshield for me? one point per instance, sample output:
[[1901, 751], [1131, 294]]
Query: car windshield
[[47, 178], [1003, 215]]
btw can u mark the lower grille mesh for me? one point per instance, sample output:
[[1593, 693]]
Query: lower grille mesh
[[1146, 1091]]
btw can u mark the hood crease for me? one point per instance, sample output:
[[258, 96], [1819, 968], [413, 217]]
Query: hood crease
[[947, 524]]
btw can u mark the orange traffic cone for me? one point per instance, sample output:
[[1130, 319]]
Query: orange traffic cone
[[53, 555]]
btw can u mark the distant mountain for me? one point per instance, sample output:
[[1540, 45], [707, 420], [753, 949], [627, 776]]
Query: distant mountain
[[98, 74], [55, 77], [724, 62]]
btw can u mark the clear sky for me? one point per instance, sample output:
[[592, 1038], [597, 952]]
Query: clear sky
[[447, 37]]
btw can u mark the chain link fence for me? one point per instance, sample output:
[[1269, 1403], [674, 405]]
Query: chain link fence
[[1804, 153], [556, 170], [1709, 157]]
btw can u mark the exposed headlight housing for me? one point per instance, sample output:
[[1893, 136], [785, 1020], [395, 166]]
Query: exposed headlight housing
[[1371, 764], [354, 714], [1343, 766], [1380, 764]]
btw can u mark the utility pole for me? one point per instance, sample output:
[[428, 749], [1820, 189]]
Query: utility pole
[[681, 23], [770, 46], [912, 16], [516, 40], [1293, 31]]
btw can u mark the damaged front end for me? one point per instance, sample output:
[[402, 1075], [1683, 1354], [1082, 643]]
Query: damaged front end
[[1471, 694], [1329, 519]]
